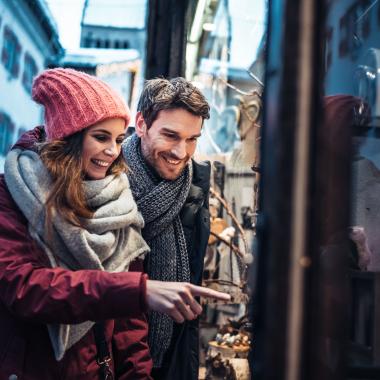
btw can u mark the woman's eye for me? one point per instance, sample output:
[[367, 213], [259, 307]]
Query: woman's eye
[[119, 141], [101, 137]]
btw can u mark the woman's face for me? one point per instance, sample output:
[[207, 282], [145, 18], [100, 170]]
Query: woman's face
[[101, 147]]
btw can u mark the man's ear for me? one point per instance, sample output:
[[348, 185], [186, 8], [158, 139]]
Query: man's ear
[[140, 125]]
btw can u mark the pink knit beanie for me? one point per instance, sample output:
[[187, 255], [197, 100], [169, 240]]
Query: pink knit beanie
[[74, 100]]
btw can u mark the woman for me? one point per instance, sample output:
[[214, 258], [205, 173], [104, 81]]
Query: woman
[[69, 232]]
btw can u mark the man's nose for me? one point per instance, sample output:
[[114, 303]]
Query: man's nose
[[179, 150]]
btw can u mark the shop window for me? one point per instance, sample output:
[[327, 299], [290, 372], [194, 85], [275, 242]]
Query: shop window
[[10, 55], [352, 102], [230, 75], [6, 133], [30, 71]]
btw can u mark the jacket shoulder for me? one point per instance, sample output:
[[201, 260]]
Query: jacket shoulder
[[29, 139], [201, 174], [6, 200], [12, 219]]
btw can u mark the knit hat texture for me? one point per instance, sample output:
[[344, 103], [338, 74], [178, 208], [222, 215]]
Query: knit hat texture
[[74, 100]]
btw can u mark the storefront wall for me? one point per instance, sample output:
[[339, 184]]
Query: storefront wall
[[316, 307]]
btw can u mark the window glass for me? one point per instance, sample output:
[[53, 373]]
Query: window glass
[[352, 89], [229, 71], [6, 133], [11, 51], [30, 71]]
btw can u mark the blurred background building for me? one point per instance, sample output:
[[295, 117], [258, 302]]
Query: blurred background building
[[102, 38], [29, 42]]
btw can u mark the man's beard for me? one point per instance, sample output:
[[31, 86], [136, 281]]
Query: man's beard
[[154, 164]]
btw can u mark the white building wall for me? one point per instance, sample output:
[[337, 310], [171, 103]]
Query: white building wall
[[15, 101]]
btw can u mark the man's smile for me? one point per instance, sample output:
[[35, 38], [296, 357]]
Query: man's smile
[[172, 161]]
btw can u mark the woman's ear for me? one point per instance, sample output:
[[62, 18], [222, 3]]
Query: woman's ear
[[140, 125]]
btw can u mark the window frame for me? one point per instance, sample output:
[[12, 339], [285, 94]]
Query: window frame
[[11, 52]]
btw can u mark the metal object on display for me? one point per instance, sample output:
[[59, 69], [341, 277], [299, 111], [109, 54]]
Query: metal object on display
[[236, 291], [248, 217], [219, 173], [233, 217]]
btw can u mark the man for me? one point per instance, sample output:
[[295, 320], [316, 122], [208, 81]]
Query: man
[[171, 191]]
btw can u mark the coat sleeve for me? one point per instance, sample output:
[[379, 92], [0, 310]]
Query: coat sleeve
[[130, 349], [31, 290], [130, 344]]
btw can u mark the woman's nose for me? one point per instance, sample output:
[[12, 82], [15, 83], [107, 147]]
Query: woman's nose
[[112, 150]]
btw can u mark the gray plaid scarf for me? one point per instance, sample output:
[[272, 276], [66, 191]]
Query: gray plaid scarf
[[110, 241], [160, 202]]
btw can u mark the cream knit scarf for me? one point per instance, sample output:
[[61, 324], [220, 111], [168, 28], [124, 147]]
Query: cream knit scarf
[[110, 241]]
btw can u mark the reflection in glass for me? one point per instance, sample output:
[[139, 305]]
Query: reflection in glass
[[352, 72]]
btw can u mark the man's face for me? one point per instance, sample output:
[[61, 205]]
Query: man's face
[[170, 142]]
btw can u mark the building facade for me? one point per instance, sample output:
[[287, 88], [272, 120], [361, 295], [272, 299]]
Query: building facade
[[28, 43], [119, 68], [112, 34]]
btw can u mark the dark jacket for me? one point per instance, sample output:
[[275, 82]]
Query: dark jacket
[[181, 361], [32, 294]]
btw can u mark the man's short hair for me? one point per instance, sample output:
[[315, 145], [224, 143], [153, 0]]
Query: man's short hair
[[163, 94]]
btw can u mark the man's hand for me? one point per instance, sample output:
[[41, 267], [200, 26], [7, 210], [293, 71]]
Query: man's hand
[[177, 298]]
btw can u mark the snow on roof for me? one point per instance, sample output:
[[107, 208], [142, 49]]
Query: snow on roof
[[95, 56], [115, 13]]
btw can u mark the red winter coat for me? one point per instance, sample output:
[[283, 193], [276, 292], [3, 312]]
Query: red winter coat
[[32, 295]]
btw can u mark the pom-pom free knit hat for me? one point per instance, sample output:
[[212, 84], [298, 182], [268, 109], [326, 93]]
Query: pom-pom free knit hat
[[74, 100]]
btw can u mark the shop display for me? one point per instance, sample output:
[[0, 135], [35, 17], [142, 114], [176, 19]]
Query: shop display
[[229, 250], [227, 354]]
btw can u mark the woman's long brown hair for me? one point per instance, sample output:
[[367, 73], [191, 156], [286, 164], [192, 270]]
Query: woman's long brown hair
[[63, 159]]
